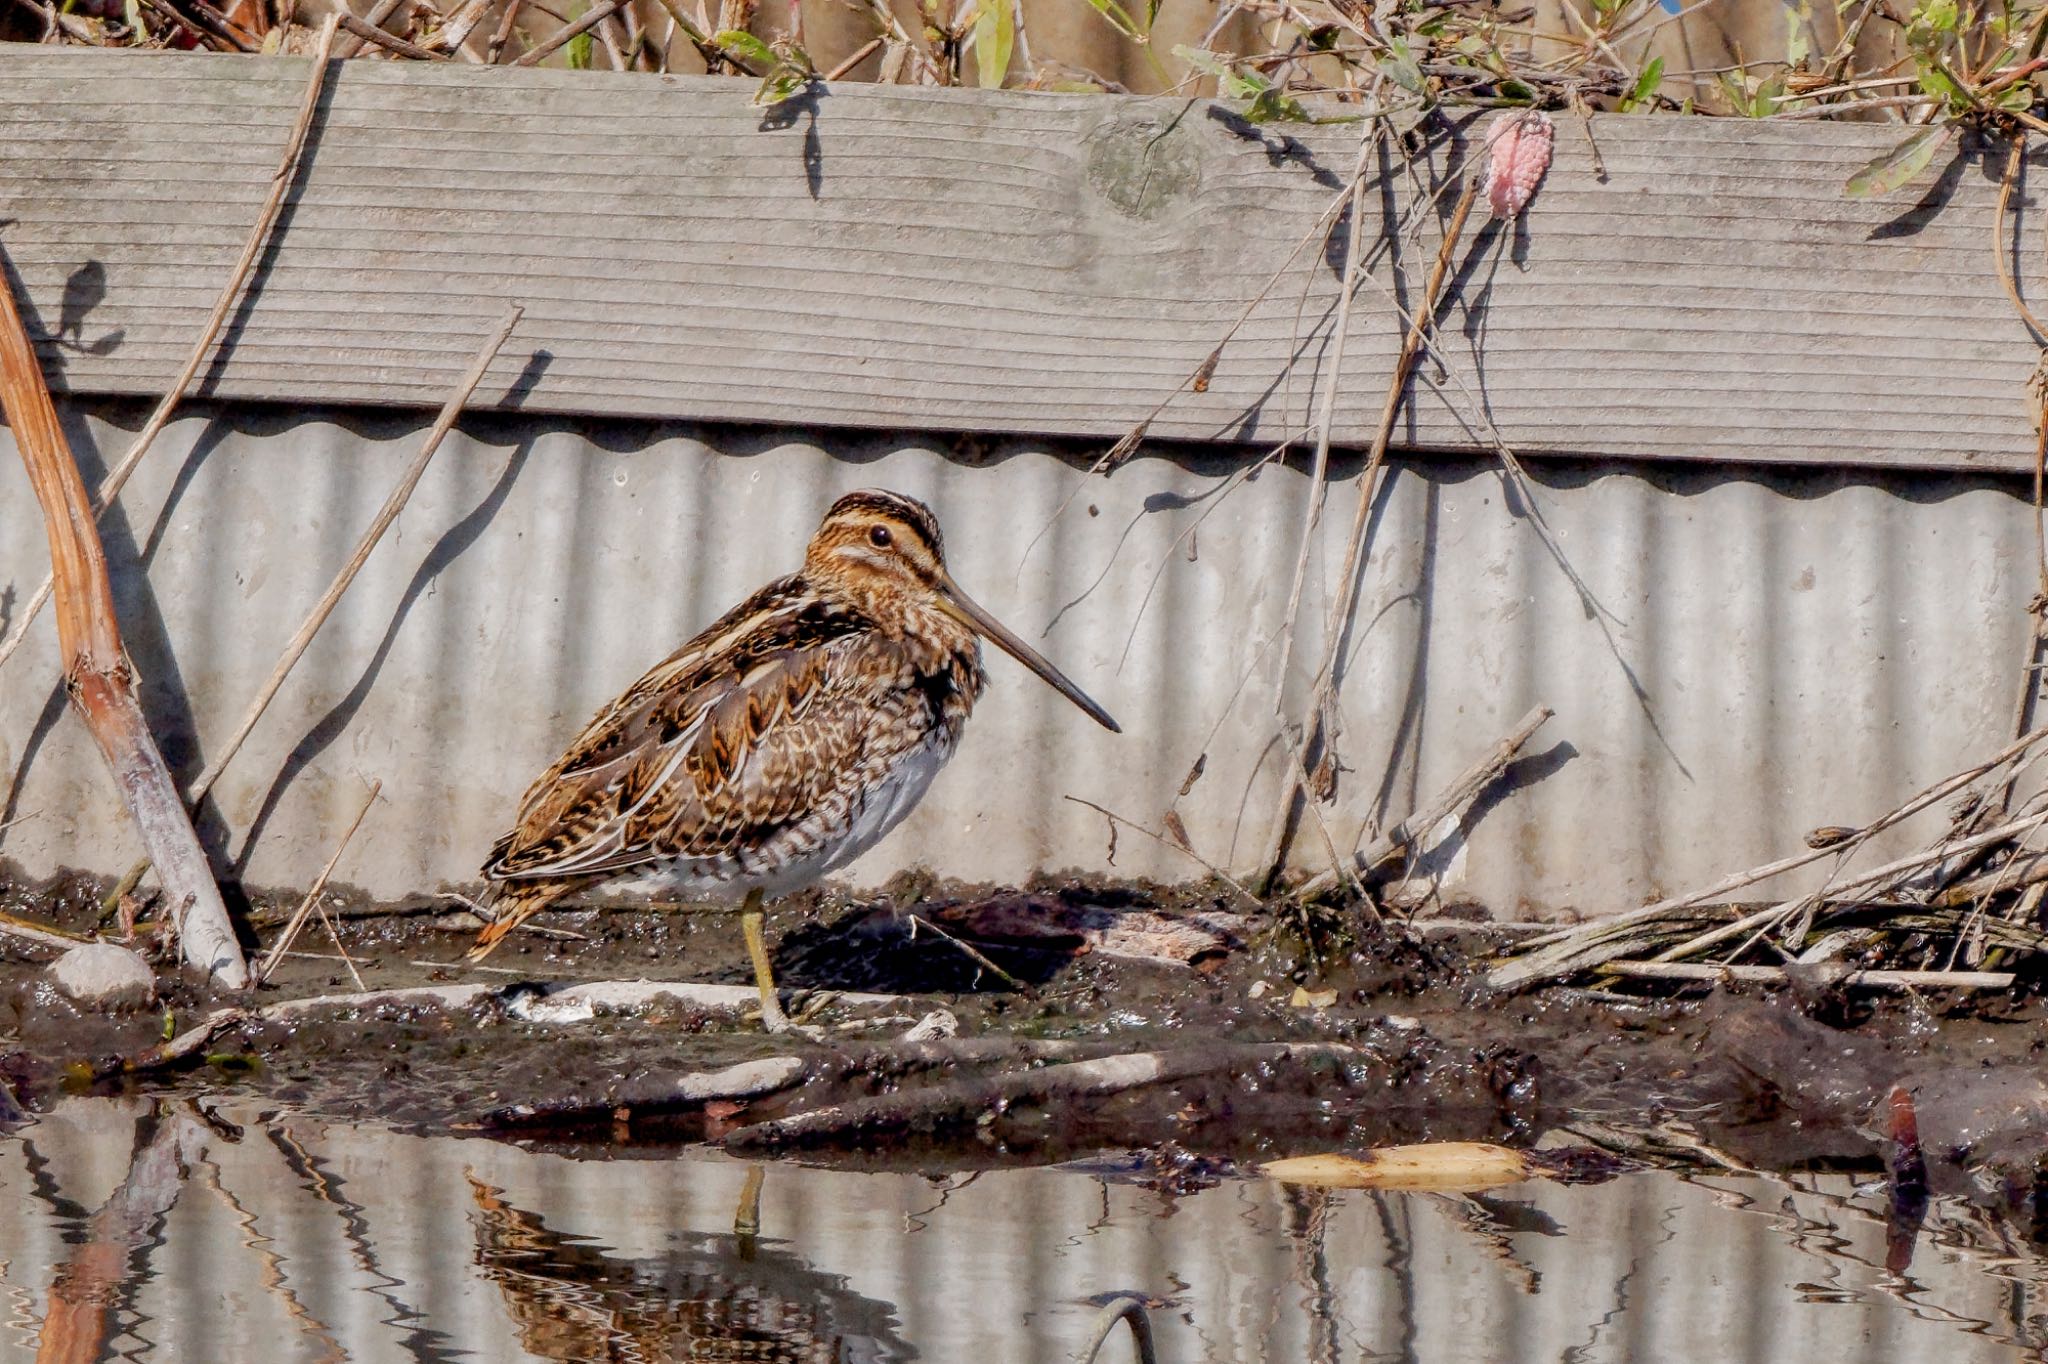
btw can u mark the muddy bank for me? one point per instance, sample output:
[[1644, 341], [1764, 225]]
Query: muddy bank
[[1271, 1037]]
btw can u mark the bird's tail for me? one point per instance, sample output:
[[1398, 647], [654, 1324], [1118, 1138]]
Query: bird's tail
[[515, 902]]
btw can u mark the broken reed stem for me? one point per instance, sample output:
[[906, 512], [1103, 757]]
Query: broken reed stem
[[1768, 975], [1453, 798], [460, 25], [117, 477], [1321, 694], [597, 15], [1874, 880], [298, 919], [1318, 489], [97, 676], [1727, 885], [393, 504]]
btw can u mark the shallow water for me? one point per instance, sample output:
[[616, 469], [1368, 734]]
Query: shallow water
[[132, 1229]]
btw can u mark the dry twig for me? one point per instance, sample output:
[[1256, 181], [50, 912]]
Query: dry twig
[[307, 905], [97, 675]]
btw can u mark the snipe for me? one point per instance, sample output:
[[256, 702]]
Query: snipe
[[775, 747]]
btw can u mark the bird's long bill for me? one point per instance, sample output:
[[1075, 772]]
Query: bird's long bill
[[963, 608]]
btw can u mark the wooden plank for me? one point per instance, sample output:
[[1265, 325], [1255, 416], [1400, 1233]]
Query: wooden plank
[[977, 262]]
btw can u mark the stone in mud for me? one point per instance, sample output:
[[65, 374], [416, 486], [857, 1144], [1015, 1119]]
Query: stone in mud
[[100, 975]]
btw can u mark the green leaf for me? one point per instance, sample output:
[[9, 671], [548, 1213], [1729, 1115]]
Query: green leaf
[[995, 34], [579, 49], [739, 43], [1645, 86], [1939, 15], [1896, 166], [1401, 68], [1934, 81]]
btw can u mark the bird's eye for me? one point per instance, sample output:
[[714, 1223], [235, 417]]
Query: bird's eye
[[879, 537]]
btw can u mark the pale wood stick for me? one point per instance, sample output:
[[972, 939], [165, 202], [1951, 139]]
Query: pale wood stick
[[110, 487], [395, 503], [97, 675], [1448, 802], [1876, 980], [298, 919]]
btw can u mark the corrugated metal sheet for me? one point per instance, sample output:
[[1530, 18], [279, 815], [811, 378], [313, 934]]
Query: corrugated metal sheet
[[301, 1242], [1768, 652]]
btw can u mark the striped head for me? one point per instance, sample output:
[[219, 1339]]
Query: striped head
[[882, 553]]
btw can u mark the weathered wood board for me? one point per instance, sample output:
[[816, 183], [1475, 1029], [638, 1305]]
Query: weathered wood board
[[991, 263]]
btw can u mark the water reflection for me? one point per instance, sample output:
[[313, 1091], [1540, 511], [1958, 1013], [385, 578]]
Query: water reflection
[[713, 1297], [137, 1230]]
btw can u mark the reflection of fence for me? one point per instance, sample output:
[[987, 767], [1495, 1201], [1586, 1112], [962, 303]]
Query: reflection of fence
[[1781, 641], [305, 1242]]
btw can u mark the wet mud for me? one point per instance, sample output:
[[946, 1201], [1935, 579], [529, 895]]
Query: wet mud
[[1414, 1049]]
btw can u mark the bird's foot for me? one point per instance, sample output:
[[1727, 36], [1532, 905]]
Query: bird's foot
[[776, 1023]]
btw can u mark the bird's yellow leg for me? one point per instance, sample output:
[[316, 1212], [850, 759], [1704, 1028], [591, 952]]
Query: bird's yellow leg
[[746, 1219], [751, 919]]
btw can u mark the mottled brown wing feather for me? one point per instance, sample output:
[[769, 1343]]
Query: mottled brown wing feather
[[743, 730]]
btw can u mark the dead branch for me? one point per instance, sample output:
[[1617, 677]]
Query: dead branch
[[97, 676], [564, 1003], [691, 1089], [454, 33]]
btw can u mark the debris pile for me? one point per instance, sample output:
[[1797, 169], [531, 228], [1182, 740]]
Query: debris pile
[[1963, 912]]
